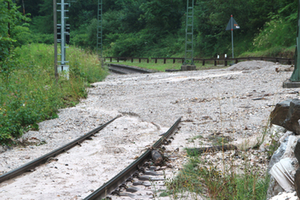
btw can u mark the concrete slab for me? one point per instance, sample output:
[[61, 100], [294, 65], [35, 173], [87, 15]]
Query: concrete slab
[[290, 84]]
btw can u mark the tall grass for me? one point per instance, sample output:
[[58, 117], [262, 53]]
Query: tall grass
[[31, 94]]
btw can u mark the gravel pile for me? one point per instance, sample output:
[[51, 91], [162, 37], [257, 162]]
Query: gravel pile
[[230, 104]]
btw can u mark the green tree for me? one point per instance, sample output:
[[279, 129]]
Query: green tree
[[11, 21], [163, 16]]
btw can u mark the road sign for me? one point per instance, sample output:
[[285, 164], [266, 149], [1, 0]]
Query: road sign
[[231, 26]]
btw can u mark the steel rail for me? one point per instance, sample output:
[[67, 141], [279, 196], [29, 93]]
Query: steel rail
[[116, 71], [131, 68], [120, 178], [41, 160]]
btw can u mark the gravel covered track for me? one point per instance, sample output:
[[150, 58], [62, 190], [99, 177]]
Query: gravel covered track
[[128, 172], [41, 160]]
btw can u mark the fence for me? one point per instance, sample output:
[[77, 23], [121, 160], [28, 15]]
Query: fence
[[288, 61]]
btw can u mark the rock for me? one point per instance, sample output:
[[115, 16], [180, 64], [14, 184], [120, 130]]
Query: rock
[[297, 182], [279, 114], [297, 151], [274, 188], [277, 155], [1, 149], [157, 157], [291, 122], [287, 149], [282, 172], [287, 114]]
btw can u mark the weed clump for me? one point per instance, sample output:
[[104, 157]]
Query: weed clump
[[200, 177]]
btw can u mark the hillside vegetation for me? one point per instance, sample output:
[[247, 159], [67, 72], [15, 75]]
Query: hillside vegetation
[[30, 93], [157, 27]]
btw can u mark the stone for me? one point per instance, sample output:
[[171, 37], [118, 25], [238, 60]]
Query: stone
[[287, 114], [297, 151], [297, 182], [291, 122], [156, 157], [279, 114], [274, 188]]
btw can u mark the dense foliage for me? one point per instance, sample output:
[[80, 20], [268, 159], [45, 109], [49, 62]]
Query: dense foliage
[[157, 27]]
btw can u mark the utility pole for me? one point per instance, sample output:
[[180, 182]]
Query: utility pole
[[99, 33], [8, 25], [55, 39], [23, 7], [188, 63], [189, 33], [294, 81], [61, 36]]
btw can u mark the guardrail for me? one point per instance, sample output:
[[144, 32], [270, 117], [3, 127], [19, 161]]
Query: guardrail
[[216, 61]]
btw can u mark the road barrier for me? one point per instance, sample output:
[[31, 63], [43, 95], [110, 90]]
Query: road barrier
[[216, 61]]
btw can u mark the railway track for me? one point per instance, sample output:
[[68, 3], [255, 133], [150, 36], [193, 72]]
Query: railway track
[[41, 160], [133, 178], [124, 69], [140, 172]]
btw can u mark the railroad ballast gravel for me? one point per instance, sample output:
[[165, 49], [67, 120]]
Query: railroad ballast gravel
[[233, 103]]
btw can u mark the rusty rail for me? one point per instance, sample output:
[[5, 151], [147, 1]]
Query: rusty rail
[[43, 159]]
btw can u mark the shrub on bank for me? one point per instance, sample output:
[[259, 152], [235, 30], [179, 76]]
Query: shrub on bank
[[30, 93]]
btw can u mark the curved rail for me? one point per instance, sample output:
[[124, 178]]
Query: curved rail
[[114, 183], [41, 160]]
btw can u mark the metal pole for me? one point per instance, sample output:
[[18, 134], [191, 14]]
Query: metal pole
[[62, 44], [23, 7], [55, 39], [189, 37], [296, 73], [99, 33], [297, 62], [232, 36], [8, 25]]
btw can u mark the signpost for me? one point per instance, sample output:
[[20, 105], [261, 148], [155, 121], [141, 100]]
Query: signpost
[[232, 24]]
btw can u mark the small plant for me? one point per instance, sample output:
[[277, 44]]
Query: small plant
[[200, 178]]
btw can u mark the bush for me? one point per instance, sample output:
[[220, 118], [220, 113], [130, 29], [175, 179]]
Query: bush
[[276, 33], [32, 95]]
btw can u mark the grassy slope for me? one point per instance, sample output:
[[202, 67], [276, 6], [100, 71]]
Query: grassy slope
[[31, 94]]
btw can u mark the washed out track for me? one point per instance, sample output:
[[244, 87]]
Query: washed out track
[[41, 160], [139, 169]]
